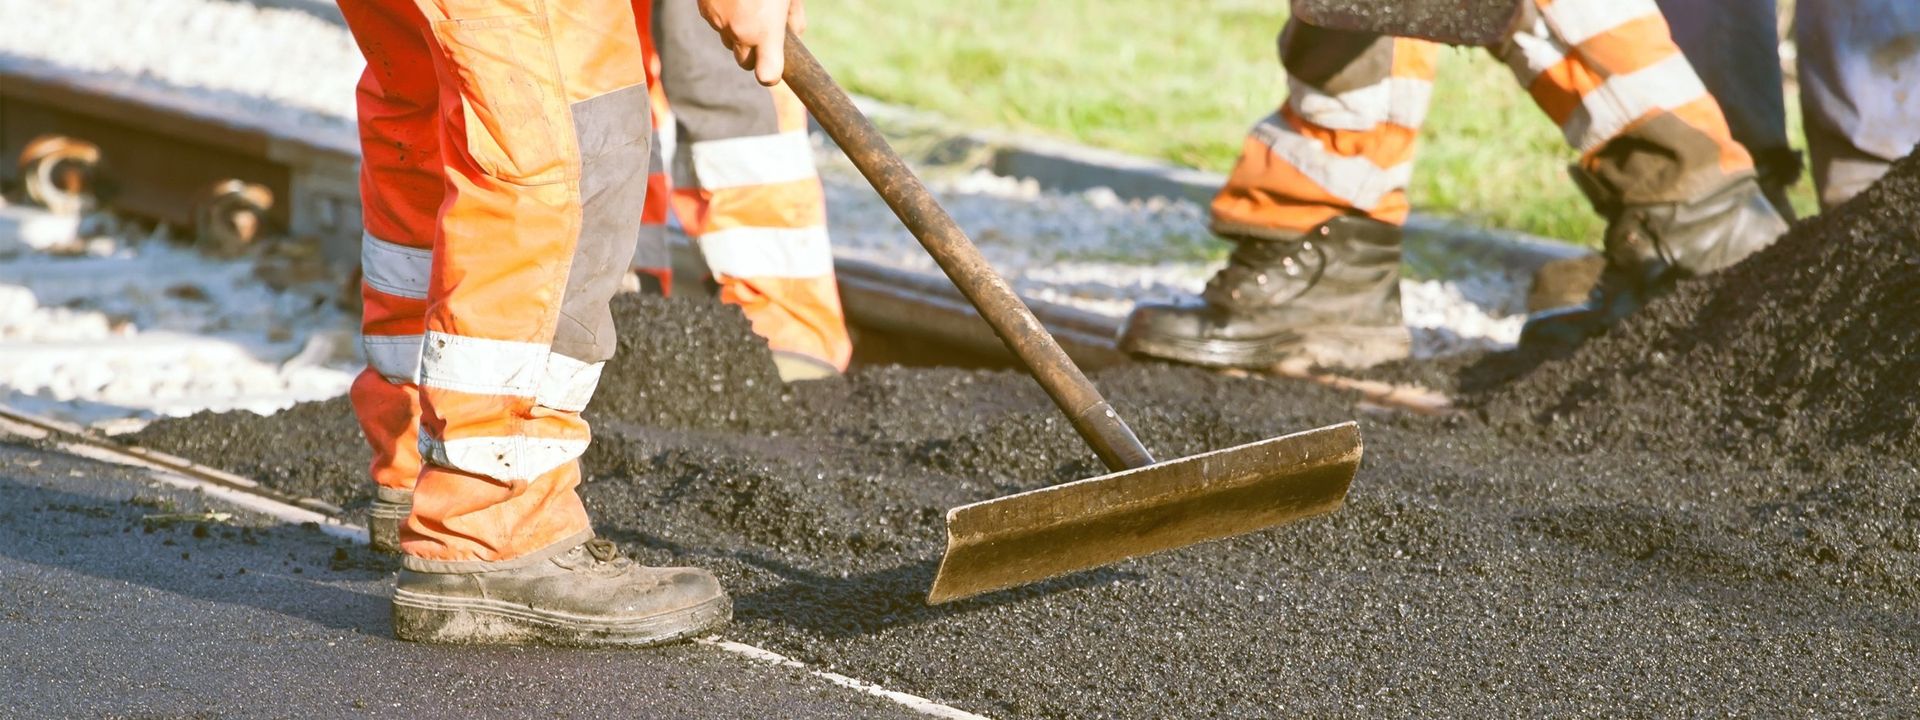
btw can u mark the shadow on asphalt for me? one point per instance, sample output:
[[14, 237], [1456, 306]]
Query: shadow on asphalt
[[285, 570], [836, 607]]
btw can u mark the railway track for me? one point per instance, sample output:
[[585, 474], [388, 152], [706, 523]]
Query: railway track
[[237, 178], [170, 157], [231, 174]]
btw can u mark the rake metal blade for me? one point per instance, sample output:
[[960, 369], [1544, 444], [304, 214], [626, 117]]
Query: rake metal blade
[[1085, 524]]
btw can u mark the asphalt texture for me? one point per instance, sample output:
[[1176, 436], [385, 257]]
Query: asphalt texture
[[109, 609], [1631, 529], [1809, 349], [1457, 22]]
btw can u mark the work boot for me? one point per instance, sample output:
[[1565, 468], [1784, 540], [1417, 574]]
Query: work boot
[[585, 596], [390, 508], [1330, 295], [1650, 246]]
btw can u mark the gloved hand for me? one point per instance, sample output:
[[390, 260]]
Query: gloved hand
[[756, 32]]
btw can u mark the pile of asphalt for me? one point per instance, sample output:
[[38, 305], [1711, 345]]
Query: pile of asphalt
[[1808, 348], [1459, 22], [1580, 544], [311, 450], [713, 374], [1470, 574]]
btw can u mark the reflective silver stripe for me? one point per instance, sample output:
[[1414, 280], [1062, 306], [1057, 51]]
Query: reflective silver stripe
[[768, 252], [753, 160], [508, 458], [567, 383], [1622, 99], [506, 367], [395, 269], [1563, 25], [481, 366], [1534, 50], [395, 357], [1354, 179], [1397, 100], [1577, 21], [666, 144]]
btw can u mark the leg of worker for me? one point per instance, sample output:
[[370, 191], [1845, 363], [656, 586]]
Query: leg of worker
[[1733, 45], [1656, 155], [401, 190], [544, 129], [1314, 207], [747, 191], [652, 256], [1859, 64], [1608, 73], [1342, 143]]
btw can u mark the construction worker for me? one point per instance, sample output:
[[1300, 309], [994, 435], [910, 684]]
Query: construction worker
[[505, 144], [1859, 66], [1316, 201], [744, 187]]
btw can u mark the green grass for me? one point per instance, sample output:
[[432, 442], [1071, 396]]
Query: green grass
[[1182, 81]]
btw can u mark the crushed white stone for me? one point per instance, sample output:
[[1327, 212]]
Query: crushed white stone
[[281, 61], [136, 327], [294, 61]]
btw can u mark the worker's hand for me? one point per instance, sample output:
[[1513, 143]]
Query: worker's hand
[[756, 32]]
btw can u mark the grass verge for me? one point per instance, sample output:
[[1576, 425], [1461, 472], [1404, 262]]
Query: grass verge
[[1182, 82]]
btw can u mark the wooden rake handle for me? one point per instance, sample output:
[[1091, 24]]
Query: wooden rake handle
[[1023, 334]]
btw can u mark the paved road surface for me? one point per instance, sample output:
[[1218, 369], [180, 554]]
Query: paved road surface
[[101, 618]]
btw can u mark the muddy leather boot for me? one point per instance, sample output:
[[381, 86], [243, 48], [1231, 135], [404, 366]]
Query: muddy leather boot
[[1651, 246], [586, 596], [390, 507], [1330, 295]]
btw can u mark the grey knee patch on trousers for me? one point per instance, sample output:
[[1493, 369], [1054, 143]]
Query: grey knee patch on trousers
[[614, 131]]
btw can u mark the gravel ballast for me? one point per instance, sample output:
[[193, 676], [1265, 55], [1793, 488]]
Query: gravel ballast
[[293, 64], [122, 324]]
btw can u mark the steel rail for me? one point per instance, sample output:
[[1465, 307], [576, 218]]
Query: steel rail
[[161, 148]]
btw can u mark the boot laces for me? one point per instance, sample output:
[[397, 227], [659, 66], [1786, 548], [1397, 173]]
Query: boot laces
[[1261, 262], [603, 550]]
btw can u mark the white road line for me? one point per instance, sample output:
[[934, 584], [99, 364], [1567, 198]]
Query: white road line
[[914, 702], [337, 528], [271, 508], [284, 512]]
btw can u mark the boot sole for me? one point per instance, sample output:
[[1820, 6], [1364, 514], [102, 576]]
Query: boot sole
[[438, 619], [1347, 347]]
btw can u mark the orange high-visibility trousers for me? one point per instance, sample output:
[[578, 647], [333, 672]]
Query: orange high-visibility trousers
[[504, 182], [1606, 71], [745, 188]]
